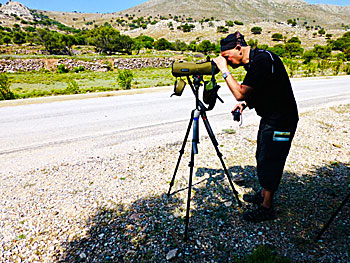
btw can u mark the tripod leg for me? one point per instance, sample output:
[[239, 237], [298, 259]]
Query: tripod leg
[[215, 143], [181, 152], [194, 151], [332, 217], [187, 219]]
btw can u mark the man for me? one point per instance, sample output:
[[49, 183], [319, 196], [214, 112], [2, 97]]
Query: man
[[267, 88]]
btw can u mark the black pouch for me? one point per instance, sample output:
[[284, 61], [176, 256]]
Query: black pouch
[[210, 91]]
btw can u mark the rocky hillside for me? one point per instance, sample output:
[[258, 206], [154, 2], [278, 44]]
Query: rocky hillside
[[246, 11], [14, 8], [270, 15], [249, 12]]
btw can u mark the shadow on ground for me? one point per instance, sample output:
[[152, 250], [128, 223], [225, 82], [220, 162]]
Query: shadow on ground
[[151, 227]]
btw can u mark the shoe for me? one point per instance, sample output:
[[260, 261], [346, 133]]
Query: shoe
[[260, 214], [254, 199]]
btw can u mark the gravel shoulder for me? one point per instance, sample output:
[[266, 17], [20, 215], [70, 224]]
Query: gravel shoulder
[[114, 208]]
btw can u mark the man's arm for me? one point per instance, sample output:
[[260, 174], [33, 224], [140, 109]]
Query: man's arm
[[240, 92]]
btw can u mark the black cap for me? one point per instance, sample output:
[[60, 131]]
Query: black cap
[[232, 40]]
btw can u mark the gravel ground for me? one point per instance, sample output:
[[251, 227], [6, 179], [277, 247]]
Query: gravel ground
[[115, 208]]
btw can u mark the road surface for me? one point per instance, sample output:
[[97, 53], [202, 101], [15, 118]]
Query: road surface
[[37, 135]]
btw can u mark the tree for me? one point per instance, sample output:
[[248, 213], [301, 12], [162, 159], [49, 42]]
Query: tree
[[253, 43], [108, 40], [336, 67], [347, 53], [294, 40], [308, 56], [221, 29], [186, 27], [256, 30], [322, 52], [56, 43], [293, 49], [6, 39], [180, 45], [126, 44], [205, 46], [146, 41], [277, 37], [162, 44], [229, 23], [291, 22], [277, 49], [19, 37], [238, 23], [342, 43], [192, 46], [321, 31], [31, 37]]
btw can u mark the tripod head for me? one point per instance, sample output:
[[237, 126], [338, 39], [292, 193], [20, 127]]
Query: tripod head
[[210, 92]]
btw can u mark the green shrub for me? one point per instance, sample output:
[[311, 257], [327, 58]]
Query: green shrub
[[5, 92], [323, 65], [125, 78], [78, 69], [256, 30], [277, 37], [263, 254], [308, 56], [73, 87], [62, 69], [347, 69], [310, 69], [336, 67], [238, 23]]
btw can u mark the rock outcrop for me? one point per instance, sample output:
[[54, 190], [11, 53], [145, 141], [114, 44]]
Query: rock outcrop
[[17, 9]]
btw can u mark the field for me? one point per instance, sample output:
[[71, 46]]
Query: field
[[51, 82]]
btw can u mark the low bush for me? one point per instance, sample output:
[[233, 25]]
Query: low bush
[[72, 88], [125, 78], [5, 91], [62, 69], [78, 69], [347, 69]]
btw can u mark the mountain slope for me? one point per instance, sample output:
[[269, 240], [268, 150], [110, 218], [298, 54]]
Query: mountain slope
[[246, 11]]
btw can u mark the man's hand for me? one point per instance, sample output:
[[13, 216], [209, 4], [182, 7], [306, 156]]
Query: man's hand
[[241, 106], [221, 63]]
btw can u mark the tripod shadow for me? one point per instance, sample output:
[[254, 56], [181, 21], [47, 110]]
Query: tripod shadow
[[152, 226], [244, 176]]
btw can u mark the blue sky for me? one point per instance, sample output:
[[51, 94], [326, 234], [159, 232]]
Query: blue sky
[[109, 6]]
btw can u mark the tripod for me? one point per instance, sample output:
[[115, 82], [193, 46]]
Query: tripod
[[325, 227], [199, 111]]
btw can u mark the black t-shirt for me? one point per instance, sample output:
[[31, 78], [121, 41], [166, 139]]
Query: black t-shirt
[[272, 95]]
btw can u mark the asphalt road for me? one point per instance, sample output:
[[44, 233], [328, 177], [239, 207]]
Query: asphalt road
[[37, 135]]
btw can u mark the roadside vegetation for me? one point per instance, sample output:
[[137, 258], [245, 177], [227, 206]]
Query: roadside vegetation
[[52, 40]]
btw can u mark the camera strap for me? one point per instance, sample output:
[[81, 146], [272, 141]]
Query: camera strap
[[253, 53]]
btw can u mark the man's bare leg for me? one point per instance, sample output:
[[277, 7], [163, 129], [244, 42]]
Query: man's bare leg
[[268, 198]]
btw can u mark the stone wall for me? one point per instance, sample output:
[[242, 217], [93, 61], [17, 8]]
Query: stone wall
[[93, 66], [136, 63], [16, 65]]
